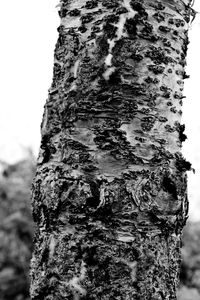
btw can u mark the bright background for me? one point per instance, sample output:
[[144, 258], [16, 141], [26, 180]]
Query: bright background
[[28, 36]]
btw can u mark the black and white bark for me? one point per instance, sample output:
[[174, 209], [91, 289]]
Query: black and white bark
[[109, 195]]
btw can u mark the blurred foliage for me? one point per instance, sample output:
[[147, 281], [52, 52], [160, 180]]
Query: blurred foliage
[[190, 269], [16, 235], [16, 229]]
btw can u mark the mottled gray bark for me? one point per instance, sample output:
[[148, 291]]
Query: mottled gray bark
[[109, 196]]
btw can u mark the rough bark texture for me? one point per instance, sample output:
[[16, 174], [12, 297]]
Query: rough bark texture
[[109, 196]]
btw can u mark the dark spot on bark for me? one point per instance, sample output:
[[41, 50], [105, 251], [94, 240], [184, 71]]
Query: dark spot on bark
[[156, 69], [175, 32], [147, 29], [185, 75], [145, 111], [90, 255], [157, 55], [159, 17], [92, 202], [60, 29], [147, 123], [164, 29], [140, 139], [91, 4], [178, 95], [103, 45], [171, 21], [173, 109], [159, 6], [110, 3], [114, 78], [113, 18], [182, 136], [182, 164], [185, 46], [57, 69], [166, 91], [82, 29], [162, 119], [179, 72], [166, 42], [75, 12], [89, 168], [46, 156], [169, 128], [110, 30], [87, 18], [47, 147], [63, 12], [95, 199], [96, 29], [170, 187], [131, 26], [149, 79], [53, 91], [161, 141], [136, 56], [137, 6]]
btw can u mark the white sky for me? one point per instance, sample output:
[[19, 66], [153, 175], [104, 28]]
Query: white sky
[[28, 36]]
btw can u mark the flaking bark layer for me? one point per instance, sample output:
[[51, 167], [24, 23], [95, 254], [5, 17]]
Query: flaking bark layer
[[109, 195]]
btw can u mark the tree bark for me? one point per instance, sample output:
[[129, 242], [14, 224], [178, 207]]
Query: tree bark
[[109, 195]]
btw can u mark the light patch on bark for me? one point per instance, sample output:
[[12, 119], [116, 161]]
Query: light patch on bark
[[73, 87], [77, 4], [133, 267], [131, 12], [75, 68], [108, 60], [129, 132], [112, 42], [125, 237], [120, 33], [72, 22], [52, 245], [75, 283], [76, 174], [108, 72]]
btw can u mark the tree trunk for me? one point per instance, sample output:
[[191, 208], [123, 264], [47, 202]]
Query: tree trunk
[[109, 196]]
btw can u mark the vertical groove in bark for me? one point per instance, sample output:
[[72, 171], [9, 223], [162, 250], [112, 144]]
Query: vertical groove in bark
[[109, 196]]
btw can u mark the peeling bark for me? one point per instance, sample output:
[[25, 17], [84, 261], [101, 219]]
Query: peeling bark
[[109, 195]]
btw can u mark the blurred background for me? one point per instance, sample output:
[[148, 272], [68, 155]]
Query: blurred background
[[28, 36]]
